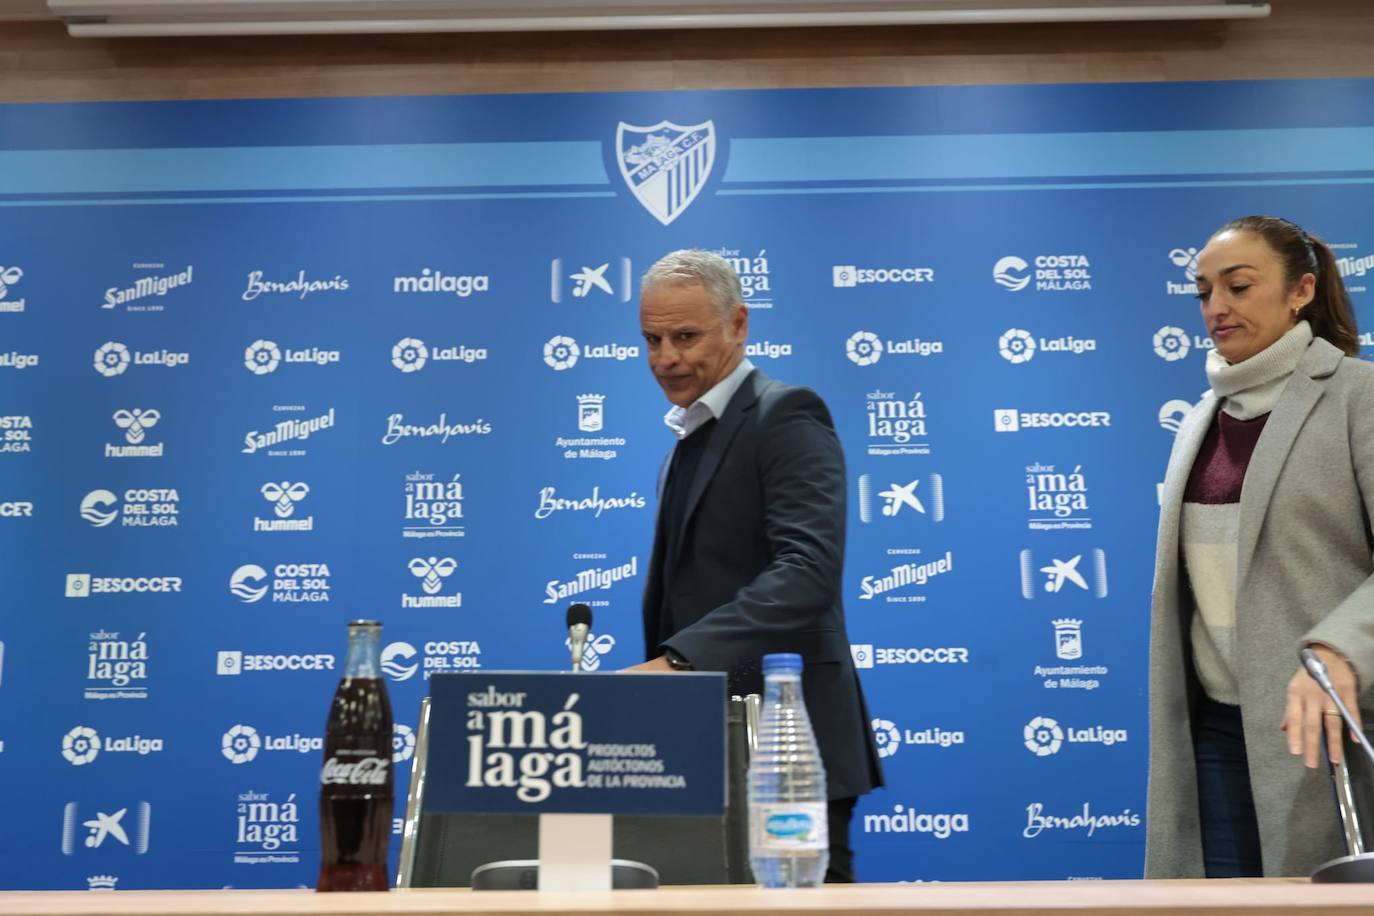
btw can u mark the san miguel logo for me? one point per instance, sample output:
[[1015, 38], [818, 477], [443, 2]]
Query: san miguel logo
[[666, 165]]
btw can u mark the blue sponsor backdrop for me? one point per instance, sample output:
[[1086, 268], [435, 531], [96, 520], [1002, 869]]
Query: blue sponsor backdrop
[[379, 357]]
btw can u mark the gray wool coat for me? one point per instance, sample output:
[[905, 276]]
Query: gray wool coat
[[1305, 574]]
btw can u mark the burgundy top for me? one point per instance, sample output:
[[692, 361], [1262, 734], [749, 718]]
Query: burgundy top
[[1220, 466]]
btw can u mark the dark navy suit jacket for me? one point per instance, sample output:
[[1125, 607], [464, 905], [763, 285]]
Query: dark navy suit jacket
[[758, 564]]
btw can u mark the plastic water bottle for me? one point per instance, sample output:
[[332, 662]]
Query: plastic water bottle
[[789, 838]]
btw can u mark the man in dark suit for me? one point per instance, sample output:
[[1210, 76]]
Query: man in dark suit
[[749, 544]]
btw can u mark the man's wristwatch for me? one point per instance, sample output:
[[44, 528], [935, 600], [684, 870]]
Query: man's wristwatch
[[676, 661]]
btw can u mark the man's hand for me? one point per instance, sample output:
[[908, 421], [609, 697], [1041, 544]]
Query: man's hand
[[652, 666], [1310, 712]]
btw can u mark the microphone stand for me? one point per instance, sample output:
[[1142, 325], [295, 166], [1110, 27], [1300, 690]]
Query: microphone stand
[[1358, 866]]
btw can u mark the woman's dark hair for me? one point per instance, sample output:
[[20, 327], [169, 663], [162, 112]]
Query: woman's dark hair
[[1329, 312]]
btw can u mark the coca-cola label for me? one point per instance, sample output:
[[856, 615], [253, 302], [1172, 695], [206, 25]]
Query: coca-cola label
[[370, 771]]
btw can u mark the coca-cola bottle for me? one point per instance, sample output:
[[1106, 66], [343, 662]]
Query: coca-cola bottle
[[356, 784]]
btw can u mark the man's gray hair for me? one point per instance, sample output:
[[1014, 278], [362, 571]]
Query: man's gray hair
[[695, 267]]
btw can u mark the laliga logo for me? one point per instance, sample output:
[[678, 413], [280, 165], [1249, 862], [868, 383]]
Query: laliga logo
[[240, 744], [262, 357], [1171, 343], [561, 353], [393, 657], [136, 422], [111, 359], [1016, 346], [284, 496], [886, 736], [433, 571], [248, 583], [863, 348], [98, 508], [9, 276], [1011, 273], [80, 745], [409, 355], [1043, 736], [402, 743]]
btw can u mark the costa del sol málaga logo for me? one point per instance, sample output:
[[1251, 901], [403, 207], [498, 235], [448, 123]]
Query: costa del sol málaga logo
[[111, 359], [98, 508], [248, 583], [1011, 273], [241, 744], [409, 354], [1171, 343], [863, 348], [1043, 736], [262, 357], [1016, 346], [394, 659], [561, 353]]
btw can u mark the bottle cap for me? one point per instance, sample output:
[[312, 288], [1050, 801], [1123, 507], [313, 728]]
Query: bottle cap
[[365, 623], [782, 663]]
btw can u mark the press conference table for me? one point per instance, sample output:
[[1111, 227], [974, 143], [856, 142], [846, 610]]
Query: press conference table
[[1042, 898]]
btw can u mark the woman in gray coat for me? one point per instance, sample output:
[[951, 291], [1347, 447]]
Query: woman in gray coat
[[1264, 548]]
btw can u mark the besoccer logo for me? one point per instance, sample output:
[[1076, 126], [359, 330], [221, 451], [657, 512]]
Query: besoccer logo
[[561, 353], [100, 508], [402, 743], [1011, 273], [433, 571], [410, 354], [1016, 346], [887, 737], [262, 357], [863, 348], [1043, 736], [284, 496], [1171, 343], [248, 583], [394, 657], [136, 422], [111, 359], [80, 745], [241, 744]]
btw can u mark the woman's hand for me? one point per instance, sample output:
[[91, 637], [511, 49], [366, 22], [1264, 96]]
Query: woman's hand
[[1310, 712]]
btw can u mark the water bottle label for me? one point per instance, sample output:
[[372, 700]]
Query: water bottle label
[[790, 826]]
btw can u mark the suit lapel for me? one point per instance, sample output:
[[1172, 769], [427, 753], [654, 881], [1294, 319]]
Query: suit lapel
[[721, 438]]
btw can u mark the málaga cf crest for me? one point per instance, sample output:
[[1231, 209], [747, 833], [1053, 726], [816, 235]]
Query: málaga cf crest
[[666, 165]]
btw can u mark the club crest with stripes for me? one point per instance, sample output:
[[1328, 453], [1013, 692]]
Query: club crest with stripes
[[666, 165]]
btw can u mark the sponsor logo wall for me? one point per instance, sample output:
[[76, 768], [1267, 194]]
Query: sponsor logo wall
[[248, 421]]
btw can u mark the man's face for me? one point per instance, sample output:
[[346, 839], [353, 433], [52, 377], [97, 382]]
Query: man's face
[[691, 348]]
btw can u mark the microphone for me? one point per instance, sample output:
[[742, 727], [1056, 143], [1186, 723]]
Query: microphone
[[1317, 670], [579, 625]]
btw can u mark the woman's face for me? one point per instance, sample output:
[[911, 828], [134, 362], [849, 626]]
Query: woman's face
[[1246, 303]]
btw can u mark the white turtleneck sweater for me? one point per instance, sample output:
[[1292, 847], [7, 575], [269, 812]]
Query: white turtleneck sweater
[[1209, 533]]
